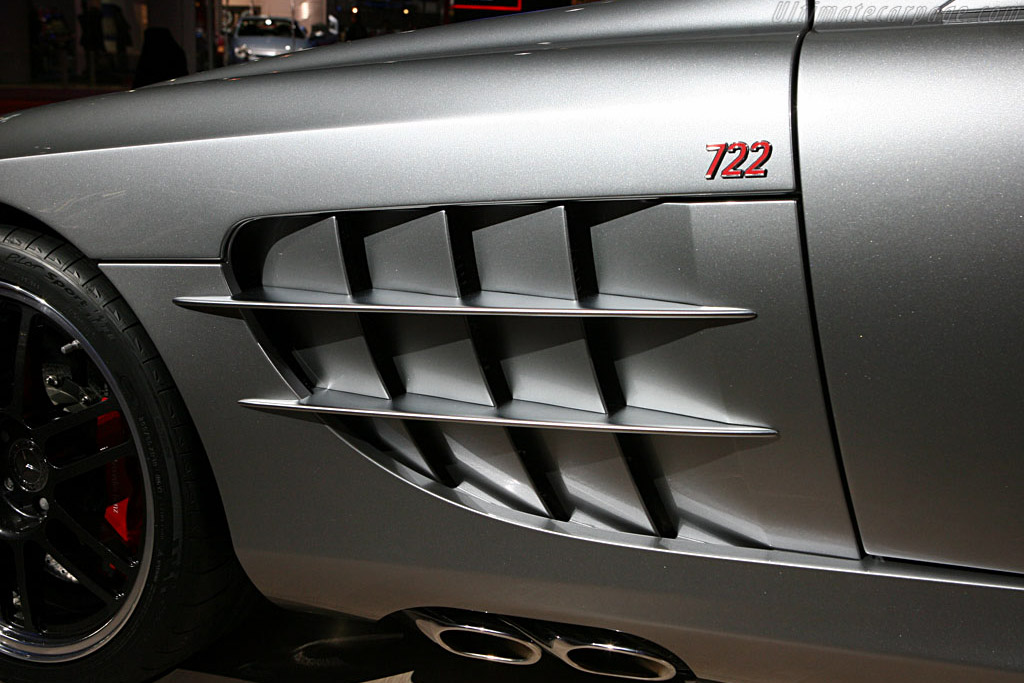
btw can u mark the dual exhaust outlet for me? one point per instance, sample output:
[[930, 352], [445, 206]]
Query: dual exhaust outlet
[[506, 641]]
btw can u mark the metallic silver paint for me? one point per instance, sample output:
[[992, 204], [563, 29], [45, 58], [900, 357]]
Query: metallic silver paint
[[915, 234], [721, 608], [604, 23], [607, 121], [616, 100]]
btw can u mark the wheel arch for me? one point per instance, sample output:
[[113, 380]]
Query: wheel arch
[[11, 215]]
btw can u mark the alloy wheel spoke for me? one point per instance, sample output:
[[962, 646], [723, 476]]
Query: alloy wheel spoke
[[23, 580], [71, 421], [117, 558], [70, 565], [88, 463], [76, 570]]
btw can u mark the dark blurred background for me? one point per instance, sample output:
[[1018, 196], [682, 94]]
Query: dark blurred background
[[58, 49]]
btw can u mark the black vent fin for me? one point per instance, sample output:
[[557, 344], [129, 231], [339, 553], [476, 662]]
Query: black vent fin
[[434, 356], [490, 468], [598, 482], [413, 256], [308, 259], [547, 361], [402, 446], [526, 255], [543, 474], [334, 352], [649, 253], [650, 484]]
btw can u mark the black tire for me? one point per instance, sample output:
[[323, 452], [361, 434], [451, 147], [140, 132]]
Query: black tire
[[189, 588]]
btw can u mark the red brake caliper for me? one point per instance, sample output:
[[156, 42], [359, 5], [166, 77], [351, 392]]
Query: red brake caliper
[[110, 432]]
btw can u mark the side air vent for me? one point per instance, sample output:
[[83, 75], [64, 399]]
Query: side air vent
[[510, 373], [584, 362]]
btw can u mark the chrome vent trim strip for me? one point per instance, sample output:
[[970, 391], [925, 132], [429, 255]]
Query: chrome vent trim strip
[[627, 420], [481, 303]]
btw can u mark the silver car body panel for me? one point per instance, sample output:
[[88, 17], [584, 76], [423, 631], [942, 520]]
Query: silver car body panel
[[615, 101], [318, 525], [397, 135], [598, 24], [914, 240]]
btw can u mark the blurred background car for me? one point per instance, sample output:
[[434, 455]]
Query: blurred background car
[[258, 37]]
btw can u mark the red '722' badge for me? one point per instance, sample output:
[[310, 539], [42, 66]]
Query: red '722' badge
[[743, 152]]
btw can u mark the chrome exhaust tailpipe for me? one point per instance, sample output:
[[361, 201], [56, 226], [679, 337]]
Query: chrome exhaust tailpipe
[[477, 636], [607, 653]]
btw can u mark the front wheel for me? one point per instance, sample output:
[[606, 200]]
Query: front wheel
[[115, 561]]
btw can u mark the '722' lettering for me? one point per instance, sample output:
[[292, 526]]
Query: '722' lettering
[[743, 152]]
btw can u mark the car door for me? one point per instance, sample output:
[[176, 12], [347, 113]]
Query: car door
[[909, 130]]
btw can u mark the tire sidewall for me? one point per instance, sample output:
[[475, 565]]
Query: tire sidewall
[[140, 389]]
